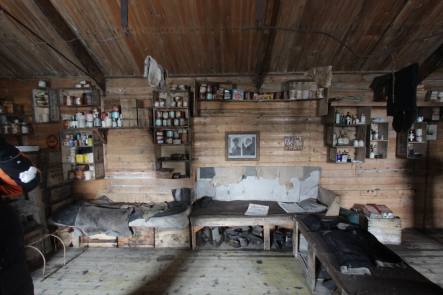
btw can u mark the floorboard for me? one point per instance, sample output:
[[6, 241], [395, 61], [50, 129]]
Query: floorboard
[[424, 252], [147, 271], [112, 271]]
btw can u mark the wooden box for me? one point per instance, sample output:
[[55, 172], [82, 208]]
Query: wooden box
[[386, 230], [172, 238], [143, 237]]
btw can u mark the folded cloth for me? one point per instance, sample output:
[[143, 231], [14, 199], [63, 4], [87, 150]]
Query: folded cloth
[[148, 211]]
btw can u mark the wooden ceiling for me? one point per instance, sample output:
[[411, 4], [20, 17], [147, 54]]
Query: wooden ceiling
[[210, 37]]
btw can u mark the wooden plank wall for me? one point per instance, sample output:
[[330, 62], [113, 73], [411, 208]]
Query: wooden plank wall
[[20, 91], [404, 186]]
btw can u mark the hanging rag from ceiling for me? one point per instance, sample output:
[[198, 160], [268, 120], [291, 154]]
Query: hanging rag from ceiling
[[402, 101], [155, 73]]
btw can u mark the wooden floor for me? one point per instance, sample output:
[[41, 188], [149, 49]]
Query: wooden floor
[[424, 252], [148, 271]]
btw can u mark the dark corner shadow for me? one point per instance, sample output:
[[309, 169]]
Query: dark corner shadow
[[162, 281], [423, 176]]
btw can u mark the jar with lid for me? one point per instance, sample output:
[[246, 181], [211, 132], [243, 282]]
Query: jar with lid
[[15, 127], [203, 91], [24, 128], [209, 93]]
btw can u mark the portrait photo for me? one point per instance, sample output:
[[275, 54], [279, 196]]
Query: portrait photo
[[242, 145]]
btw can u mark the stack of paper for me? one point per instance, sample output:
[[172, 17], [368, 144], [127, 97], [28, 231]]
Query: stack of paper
[[257, 210]]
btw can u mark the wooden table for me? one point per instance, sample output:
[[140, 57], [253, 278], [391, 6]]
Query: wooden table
[[401, 280], [268, 222]]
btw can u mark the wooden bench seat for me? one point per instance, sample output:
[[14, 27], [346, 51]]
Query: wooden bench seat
[[268, 223], [398, 280]]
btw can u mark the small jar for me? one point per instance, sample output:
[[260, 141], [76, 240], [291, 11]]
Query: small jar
[[6, 128]]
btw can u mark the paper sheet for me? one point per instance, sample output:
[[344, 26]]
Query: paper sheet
[[257, 210], [291, 207]]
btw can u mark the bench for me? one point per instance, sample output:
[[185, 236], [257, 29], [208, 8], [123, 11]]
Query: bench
[[398, 280], [267, 222], [231, 214]]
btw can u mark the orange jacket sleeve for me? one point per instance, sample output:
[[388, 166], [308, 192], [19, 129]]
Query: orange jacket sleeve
[[8, 187]]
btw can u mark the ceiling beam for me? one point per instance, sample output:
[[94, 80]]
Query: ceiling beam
[[268, 32], [124, 15], [431, 63], [67, 34]]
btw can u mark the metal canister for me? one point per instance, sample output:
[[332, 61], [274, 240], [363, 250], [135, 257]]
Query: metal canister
[[78, 100]]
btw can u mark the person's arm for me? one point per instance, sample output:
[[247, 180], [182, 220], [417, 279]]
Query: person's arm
[[17, 174]]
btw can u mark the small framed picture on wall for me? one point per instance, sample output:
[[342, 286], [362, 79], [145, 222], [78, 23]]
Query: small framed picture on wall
[[242, 146]]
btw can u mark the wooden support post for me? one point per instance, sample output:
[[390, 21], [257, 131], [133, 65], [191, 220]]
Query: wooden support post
[[312, 269], [432, 63], [265, 24], [295, 239], [267, 236], [67, 34], [194, 230]]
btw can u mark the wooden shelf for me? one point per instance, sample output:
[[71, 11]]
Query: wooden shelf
[[79, 106], [13, 114], [429, 104], [346, 125], [380, 104], [171, 144], [358, 103], [348, 146], [89, 89], [173, 160], [258, 100], [171, 127], [170, 108]]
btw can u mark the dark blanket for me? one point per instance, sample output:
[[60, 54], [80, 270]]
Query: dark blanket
[[351, 246], [103, 216], [402, 100], [208, 206]]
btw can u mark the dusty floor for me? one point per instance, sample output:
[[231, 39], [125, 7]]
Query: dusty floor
[[147, 271], [424, 252]]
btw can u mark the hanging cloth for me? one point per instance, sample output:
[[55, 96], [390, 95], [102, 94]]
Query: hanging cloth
[[402, 100]]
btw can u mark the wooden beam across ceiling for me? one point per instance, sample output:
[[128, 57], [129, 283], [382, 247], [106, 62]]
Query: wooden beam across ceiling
[[431, 63], [68, 35], [264, 50]]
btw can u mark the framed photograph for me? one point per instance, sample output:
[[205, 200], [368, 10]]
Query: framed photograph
[[242, 146]]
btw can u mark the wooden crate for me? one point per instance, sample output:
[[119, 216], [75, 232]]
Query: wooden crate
[[98, 241], [143, 237], [172, 238], [386, 230]]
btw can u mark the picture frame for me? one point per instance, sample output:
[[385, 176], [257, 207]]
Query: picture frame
[[242, 146]]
